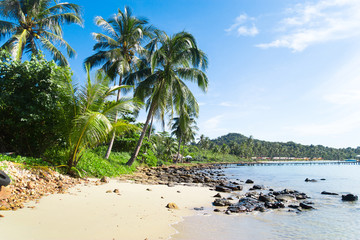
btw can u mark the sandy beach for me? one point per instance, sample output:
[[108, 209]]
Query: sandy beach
[[138, 211]]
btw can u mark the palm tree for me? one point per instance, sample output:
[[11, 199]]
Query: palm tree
[[94, 114], [177, 58], [37, 23], [183, 128], [118, 51]]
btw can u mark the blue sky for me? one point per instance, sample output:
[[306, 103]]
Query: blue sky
[[280, 70]]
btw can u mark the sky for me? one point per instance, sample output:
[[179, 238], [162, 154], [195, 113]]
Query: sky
[[280, 70]]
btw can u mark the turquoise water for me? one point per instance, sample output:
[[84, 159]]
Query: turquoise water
[[332, 218]]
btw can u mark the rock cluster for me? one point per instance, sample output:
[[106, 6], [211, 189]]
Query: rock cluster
[[203, 174], [260, 201], [32, 183]]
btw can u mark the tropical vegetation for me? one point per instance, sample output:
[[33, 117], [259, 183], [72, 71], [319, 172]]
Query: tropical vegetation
[[246, 147], [91, 129], [45, 119]]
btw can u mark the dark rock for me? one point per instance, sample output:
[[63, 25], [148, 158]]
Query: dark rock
[[310, 180], [262, 209], [252, 194], [301, 196], [274, 205], [294, 206], [349, 197], [234, 187], [246, 204], [287, 191], [275, 193], [105, 179], [328, 193], [308, 202], [265, 198], [199, 209], [237, 209], [249, 181], [271, 190], [222, 189], [217, 210], [323, 179], [258, 187], [217, 195], [306, 206], [222, 202]]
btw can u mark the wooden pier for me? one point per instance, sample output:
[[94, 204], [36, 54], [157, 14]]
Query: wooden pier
[[281, 163]]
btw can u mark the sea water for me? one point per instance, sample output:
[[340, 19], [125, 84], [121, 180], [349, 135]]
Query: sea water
[[332, 218]]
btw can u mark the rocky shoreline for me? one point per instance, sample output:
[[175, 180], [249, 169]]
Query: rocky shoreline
[[234, 196], [31, 183]]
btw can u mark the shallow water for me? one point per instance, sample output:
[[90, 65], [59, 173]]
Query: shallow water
[[332, 219]]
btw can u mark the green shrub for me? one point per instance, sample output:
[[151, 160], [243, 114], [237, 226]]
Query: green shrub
[[33, 104], [30, 161], [148, 158]]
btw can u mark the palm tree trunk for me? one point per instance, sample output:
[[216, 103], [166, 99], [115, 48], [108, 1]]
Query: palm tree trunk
[[107, 155], [177, 157], [151, 124], [183, 148], [138, 146]]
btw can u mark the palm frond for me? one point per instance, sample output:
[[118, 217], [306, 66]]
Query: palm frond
[[18, 48], [56, 53], [7, 28]]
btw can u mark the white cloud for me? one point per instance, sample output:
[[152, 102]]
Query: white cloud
[[243, 26], [213, 122], [313, 23], [345, 97], [211, 127]]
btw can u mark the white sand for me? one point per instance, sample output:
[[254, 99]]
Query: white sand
[[88, 212]]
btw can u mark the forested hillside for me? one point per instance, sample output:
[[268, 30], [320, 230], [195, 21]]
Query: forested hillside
[[242, 146]]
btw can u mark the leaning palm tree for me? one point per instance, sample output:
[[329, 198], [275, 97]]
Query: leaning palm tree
[[118, 50], [175, 59], [93, 120], [32, 24]]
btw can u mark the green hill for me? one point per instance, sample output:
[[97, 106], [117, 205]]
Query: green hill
[[242, 146]]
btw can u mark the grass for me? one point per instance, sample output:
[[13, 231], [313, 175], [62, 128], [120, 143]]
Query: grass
[[93, 163], [3, 167], [30, 161]]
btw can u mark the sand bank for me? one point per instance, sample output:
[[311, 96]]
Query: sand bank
[[88, 212]]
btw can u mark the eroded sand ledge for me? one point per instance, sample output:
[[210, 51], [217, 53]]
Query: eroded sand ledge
[[88, 212]]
